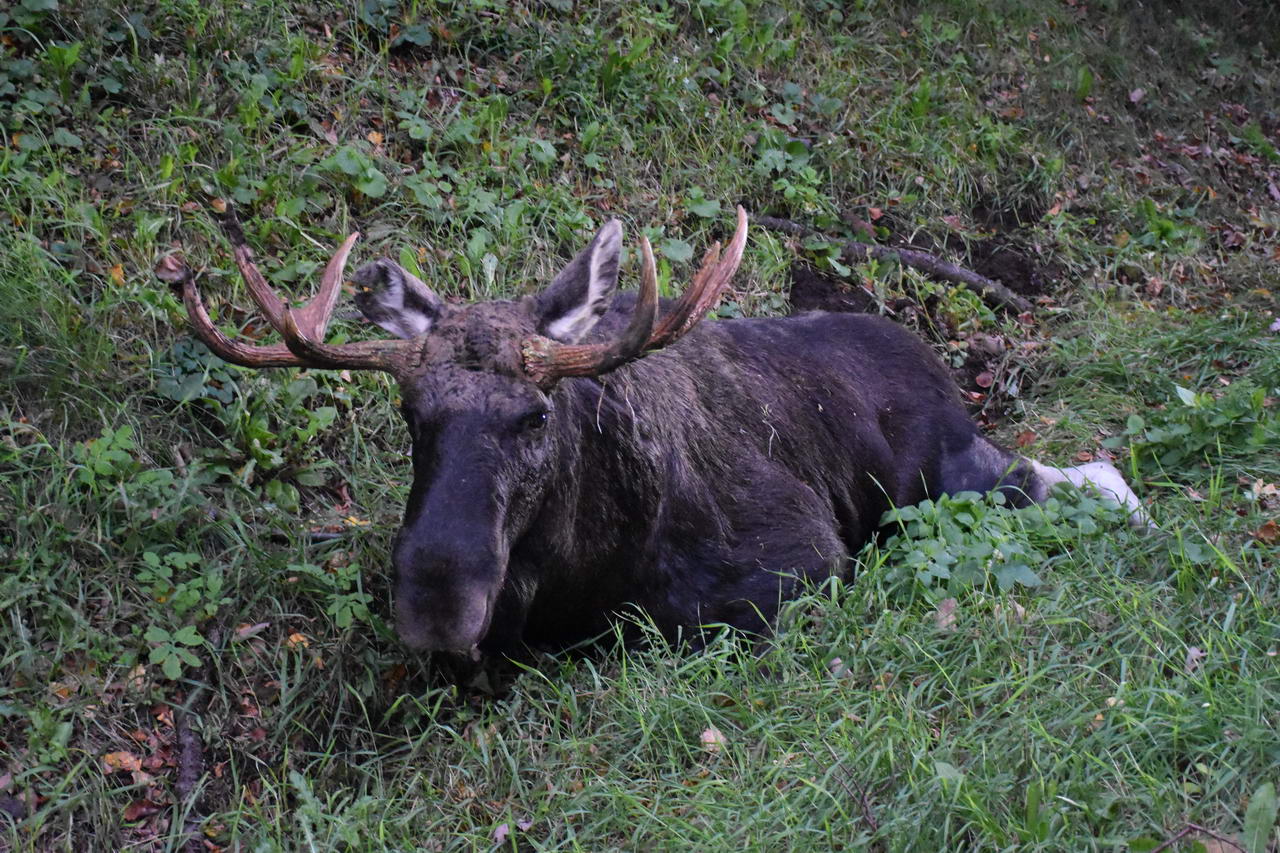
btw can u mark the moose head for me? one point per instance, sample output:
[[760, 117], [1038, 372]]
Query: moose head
[[478, 388]]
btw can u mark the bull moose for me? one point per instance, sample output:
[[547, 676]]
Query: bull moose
[[576, 454]]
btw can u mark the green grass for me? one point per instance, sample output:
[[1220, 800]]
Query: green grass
[[147, 490]]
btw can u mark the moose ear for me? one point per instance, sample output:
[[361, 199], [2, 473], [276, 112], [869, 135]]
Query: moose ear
[[581, 293], [395, 299]]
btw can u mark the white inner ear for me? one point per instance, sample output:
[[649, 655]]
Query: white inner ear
[[398, 301], [602, 267]]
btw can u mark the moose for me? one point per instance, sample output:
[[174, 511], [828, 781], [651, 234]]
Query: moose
[[578, 454]]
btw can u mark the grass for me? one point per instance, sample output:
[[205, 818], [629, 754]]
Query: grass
[[156, 506]]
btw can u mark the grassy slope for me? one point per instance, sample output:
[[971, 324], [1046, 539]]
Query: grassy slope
[[484, 150]]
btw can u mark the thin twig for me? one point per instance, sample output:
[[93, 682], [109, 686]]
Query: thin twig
[[1195, 827], [855, 251], [868, 814]]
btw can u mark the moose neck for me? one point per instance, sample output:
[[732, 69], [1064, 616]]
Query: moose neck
[[606, 499]]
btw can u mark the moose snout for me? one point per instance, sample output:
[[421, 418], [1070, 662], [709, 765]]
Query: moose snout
[[443, 601]]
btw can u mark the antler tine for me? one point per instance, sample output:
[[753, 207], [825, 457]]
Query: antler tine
[[546, 360], [272, 306], [181, 278], [705, 290], [312, 318]]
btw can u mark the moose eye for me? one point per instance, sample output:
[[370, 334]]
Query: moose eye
[[532, 421]]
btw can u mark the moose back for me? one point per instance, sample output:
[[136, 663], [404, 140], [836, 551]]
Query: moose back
[[576, 454]]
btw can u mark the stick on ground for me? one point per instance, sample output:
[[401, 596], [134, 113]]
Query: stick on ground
[[992, 292]]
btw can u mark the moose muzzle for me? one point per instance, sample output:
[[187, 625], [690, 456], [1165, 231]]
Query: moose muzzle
[[443, 599]]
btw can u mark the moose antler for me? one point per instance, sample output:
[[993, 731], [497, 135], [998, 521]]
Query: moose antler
[[303, 328], [547, 360]]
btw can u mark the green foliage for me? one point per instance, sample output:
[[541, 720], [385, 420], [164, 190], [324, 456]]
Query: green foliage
[[172, 649], [969, 541], [1260, 819], [181, 592], [108, 460], [1175, 232], [192, 372], [339, 586], [359, 169], [1196, 427]]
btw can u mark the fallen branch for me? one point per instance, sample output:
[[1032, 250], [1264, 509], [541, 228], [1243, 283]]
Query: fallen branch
[[991, 291], [191, 750]]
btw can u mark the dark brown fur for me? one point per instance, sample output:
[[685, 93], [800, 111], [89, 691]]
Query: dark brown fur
[[700, 484]]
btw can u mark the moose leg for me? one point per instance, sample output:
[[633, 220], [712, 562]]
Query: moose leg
[[1099, 476], [982, 467]]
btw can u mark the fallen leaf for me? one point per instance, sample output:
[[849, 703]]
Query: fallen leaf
[[945, 616], [1016, 612], [1194, 656], [837, 668], [1268, 532], [1136, 96], [374, 137], [875, 213], [171, 269], [245, 631], [115, 762], [1084, 456], [712, 739], [297, 640], [219, 205], [503, 830], [117, 275], [1025, 438], [985, 379]]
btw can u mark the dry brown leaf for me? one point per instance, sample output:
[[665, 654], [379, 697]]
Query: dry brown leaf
[[139, 809], [500, 834], [1268, 532], [1194, 656], [712, 739], [297, 640], [1025, 438], [115, 762], [1016, 612], [945, 616]]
